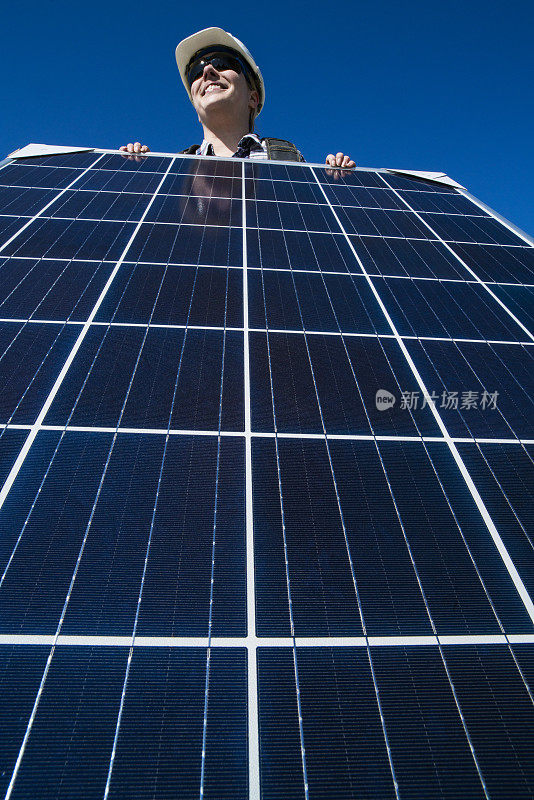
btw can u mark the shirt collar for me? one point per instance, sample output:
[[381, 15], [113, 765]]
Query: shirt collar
[[250, 141]]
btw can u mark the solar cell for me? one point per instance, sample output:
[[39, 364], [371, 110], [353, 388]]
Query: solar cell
[[266, 451]]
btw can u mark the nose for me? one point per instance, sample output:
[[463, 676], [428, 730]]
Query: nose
[[209, 71]]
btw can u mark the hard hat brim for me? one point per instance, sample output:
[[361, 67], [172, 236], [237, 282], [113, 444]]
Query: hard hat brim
[[214, 37]]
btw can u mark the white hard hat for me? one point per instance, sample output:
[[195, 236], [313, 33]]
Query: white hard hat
[[216, 37]]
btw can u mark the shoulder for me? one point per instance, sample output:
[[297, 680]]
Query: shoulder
[[281, 150]]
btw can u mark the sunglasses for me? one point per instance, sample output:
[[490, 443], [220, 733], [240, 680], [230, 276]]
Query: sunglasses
[[219, 61]]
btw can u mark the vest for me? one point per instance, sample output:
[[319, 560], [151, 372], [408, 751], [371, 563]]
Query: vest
[[277, 150]]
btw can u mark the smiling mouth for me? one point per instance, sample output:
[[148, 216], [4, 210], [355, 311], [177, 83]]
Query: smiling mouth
[[213, 87]]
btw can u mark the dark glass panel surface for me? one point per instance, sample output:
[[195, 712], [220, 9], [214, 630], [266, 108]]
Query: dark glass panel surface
[[283, 191], [11, 442], [504, 476], [69, 749], [50, 290], [462, 367], [50, 521], [455, 228], [123, 206], [520, 301], [23, 202], [499, 716], [322, 587], [188, 244], [19, 174], [429, 747], [163, 719], [295, 250], [176, 588], [327, 302], [126, 163], [268, 170], [375, 222], [458, 310], [341, 384], [136, 182], [21, 669], [391, 600], [449, 203], [281, 772], [524, 655], [104, 596], [226, 765], [492, 263], [58, 238], [364, 198], [10, 226], [417, 259], [493, 574], [33, 355], [173, 296], [121, 366], [323, 596], [272, 603], [336, 177], [345, 751], [291, 216], [438, 534], [195, 210], [416, 184], [193, 185], [176, 593], [346, 754]]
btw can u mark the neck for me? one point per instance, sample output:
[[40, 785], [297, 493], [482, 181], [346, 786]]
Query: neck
[[225, 138]]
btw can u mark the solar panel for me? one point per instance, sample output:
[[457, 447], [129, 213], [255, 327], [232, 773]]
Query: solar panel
[[267, 457]]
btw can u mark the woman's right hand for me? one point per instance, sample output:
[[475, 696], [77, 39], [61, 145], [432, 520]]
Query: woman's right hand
[[134, 150]]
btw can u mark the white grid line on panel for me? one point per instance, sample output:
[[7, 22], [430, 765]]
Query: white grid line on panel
[[264, 434], [323, 232], [14, 472], [252, 678], [516, 579], [466, 266], [84, 640], [279, 269], [40, 213], [176, 326]]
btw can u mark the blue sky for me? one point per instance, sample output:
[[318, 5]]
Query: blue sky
[[416, 85]]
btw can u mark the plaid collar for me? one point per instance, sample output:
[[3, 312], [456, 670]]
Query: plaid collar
[[249, 143]]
